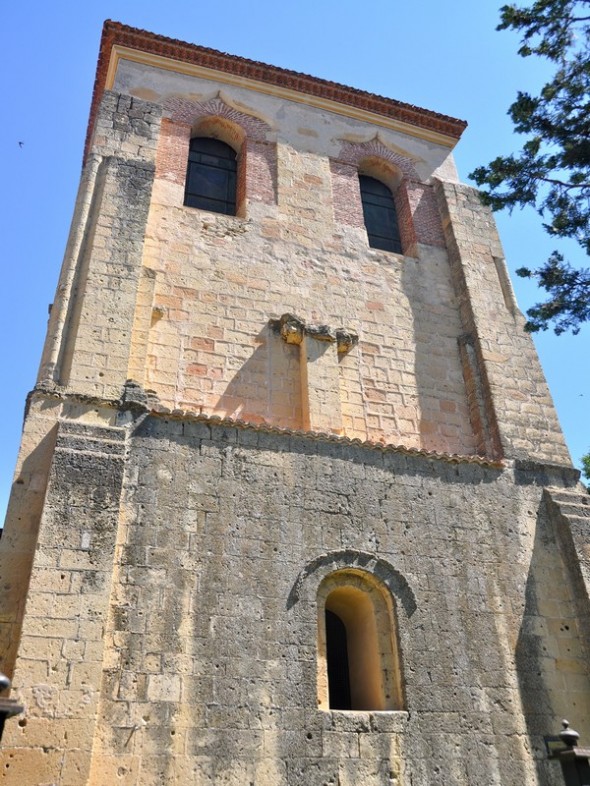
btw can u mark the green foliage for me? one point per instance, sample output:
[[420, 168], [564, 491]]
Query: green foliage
[[586, 468], [569, 303], [552, 170]]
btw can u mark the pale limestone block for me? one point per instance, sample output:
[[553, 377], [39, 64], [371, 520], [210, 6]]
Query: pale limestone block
[[164, 687]]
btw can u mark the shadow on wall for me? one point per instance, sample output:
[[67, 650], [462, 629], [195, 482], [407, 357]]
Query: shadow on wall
[[441, 400], [551, 654], [17, 548], [267, 387]]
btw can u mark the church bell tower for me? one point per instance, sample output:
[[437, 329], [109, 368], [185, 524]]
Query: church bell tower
[[292, 505]]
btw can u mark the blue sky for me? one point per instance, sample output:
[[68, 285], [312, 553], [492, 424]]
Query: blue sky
[[443, 56]]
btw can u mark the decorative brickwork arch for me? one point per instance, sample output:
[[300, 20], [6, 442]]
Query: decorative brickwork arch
[[419, 220], [247, 135], [354, 153], [193, 112]]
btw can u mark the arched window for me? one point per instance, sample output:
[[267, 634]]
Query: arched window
[[211, 176], [380, 215], [358, 666]]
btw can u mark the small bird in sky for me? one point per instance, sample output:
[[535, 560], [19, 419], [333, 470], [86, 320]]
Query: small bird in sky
[[21, 144]]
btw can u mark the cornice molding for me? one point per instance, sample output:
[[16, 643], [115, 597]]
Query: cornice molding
[[120, 42]]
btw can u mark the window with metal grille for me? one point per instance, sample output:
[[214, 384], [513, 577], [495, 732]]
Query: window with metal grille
[[211, 176], [380, 215]]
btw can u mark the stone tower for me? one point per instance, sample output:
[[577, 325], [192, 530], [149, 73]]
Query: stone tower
[[292, 506]]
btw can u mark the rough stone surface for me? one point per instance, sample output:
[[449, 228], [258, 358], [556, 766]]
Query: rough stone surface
[[184, 629]]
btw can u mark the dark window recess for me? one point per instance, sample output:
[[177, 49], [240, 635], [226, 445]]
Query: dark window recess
[[338, 670], [380, 215], [211, 176]]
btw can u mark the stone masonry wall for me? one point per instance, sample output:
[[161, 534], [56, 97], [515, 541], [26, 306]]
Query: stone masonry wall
[[19, 536], [516, 401], [61, 648], [196, 290], [206, 667], [88, 339], [183, 300], [218, 280]]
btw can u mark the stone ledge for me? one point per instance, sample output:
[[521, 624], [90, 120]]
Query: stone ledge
[[381, 721], [149, 407]]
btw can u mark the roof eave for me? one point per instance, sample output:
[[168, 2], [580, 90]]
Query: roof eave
[[115, 34]]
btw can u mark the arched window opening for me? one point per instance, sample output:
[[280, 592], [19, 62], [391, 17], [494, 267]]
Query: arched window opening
[[380, 215], [211, 176], [358, 666]]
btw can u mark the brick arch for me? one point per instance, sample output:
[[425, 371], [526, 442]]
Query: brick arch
[[418, 216], [257, 171], [191, 112], [353, 153]]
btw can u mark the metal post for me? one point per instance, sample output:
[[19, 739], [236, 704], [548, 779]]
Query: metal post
[[575, 761], [8, 707]]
